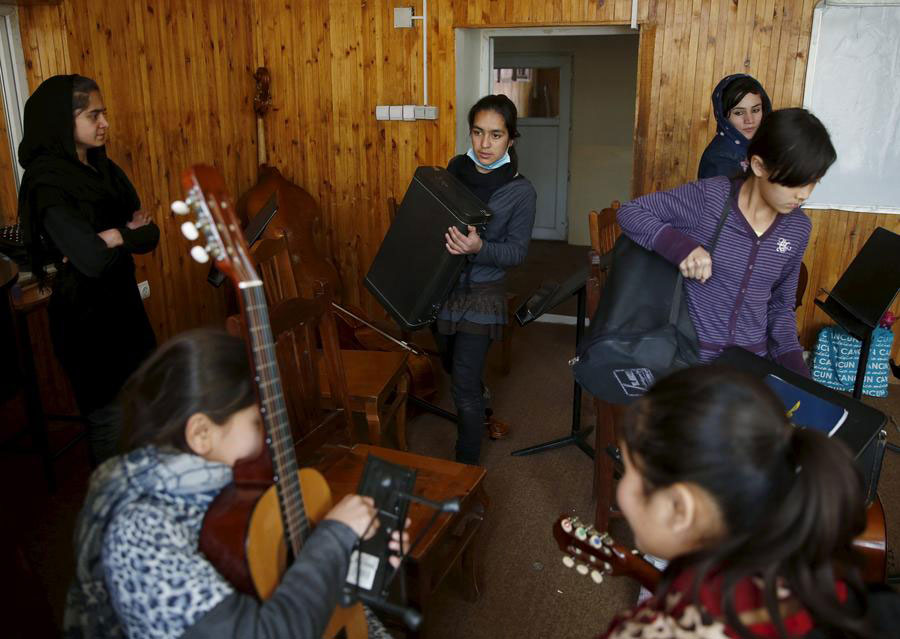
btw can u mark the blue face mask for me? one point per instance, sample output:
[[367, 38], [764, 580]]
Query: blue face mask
[[493, 165]]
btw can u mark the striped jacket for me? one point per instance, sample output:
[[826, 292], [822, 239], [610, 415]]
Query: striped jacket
[[749, 300]]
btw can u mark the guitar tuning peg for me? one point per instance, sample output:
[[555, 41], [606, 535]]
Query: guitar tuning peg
[[582, 569], [199, 254], [180, 207], [566, 525], [189, 230], [581, 533], [597, 576], [568, 562]]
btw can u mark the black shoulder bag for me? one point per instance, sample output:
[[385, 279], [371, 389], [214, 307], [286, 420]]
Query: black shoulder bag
[[642, 329]]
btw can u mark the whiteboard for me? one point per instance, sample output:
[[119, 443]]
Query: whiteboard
[[853, 86]]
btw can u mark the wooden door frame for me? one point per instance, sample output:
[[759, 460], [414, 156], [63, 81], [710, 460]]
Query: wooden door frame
[[640, 180]]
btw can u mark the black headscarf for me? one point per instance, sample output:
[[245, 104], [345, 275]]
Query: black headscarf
[[483, 185], [47, 153]]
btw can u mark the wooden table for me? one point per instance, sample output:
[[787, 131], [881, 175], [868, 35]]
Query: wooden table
[[451, 541]]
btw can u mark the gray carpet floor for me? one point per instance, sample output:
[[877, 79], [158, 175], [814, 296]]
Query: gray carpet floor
[[528, 592]]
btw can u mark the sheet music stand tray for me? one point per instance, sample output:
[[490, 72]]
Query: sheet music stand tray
[[864, 292]]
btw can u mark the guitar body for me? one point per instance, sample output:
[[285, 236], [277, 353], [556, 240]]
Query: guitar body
[[271, 504], [243, 537]]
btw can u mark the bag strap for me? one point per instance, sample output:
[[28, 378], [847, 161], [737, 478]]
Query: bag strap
[[676, 298]]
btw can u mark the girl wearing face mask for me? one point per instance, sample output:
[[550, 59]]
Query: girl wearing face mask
[[80, 212], [744, 295], [739, 104], [756, 517], [476, 311]]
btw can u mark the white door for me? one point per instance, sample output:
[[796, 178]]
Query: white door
[[540, 85]]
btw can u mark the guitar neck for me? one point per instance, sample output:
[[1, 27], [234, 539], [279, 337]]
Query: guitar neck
[[274, 414]]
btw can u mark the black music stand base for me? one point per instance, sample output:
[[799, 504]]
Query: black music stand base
[[577, 436], [431, 408]]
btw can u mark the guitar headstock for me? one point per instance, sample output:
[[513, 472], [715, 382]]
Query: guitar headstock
[[207, 201], [597, 554]]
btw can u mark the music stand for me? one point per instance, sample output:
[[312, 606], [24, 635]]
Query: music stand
[[547, 297], [864, 292]]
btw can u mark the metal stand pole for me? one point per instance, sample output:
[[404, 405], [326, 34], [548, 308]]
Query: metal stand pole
[[577, 435]]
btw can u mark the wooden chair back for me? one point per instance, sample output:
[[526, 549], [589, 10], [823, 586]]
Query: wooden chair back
[[273, 262], [304, 330], [604, 232], [604, 228], [299, 327]]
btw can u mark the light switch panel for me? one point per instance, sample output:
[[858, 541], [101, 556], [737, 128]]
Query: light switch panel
[[403, 17]]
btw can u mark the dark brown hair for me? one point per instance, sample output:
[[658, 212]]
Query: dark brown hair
[[506, 109], [791, 498], [735, 92], [200, 371], [82, 88], [794, 145]]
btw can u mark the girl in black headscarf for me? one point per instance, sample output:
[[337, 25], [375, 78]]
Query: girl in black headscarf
[[79, 212]]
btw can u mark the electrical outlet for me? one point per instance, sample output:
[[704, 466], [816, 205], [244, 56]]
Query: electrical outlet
[[409, 112], [144, 288], [396, 112], [382, 113], [431, 112]]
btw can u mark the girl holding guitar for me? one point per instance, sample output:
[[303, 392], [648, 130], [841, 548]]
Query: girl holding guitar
[[192, 413], [756, 517]]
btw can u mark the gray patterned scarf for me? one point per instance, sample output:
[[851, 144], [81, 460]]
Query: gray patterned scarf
[[173, 476]]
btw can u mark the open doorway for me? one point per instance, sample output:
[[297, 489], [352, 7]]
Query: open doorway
[[575, 89]]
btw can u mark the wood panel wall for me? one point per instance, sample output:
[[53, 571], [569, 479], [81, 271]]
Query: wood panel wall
[[177, 83], [176, 80], [8, 196]]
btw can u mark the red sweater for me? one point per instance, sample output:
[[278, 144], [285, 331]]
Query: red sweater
[[680, 617]]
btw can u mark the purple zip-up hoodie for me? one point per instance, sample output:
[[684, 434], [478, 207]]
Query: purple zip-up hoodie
[[749, 300]]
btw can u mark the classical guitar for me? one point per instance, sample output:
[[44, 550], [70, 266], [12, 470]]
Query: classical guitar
[[267, 512], [596, 554]]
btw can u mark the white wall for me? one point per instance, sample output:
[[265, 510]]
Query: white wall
[[603, 102]]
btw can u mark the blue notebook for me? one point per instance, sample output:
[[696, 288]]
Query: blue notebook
[[805, 409]]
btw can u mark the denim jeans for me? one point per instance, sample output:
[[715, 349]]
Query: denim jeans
[[465, 354]]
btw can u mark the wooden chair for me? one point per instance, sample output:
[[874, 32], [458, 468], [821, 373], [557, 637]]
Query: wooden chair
[[377, 381], [299, 327], [604, 231], [451, 543]]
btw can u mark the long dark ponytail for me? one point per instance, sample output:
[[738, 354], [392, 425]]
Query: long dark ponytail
[[792, 499]]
